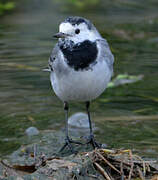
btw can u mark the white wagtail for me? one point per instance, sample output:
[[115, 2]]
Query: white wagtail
[[81, 65]]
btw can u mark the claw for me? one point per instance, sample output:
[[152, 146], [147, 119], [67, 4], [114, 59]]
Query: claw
[[93, 142], [68, 143]]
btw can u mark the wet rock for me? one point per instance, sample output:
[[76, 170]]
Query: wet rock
[[46, 144], [45, 147], [40, 160], [97, 164], [32, 131]]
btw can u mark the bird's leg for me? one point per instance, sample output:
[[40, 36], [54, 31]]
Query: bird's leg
[[91, 139], [68, 141]]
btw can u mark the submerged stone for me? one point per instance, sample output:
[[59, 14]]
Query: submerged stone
[[79, 120]]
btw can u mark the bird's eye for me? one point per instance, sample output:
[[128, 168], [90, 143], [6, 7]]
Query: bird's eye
[[77, 31]]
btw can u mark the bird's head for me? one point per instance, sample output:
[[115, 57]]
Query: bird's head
[[77, 29]]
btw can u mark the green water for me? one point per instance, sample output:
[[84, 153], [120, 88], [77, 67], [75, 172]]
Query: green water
[[26, 97]]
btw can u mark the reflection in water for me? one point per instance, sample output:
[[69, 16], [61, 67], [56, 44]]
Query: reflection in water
[[26, 96]]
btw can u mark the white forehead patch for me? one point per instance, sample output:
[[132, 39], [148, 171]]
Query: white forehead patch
[[65, 27], [68, 28]]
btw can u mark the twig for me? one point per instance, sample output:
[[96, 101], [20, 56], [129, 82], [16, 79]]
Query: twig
[[35, 152], [132, 165], [144, 168], [148, 167], [92, 175], [131, 171], [140, 173], [107, 162], [121, 169], [102, 171], [6, 165]]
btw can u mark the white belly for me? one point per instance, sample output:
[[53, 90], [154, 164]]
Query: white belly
[[81, 85]]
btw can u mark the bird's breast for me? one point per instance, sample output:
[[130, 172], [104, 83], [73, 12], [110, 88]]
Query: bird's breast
[[81, 85]]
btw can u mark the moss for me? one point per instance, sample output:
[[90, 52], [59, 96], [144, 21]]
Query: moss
[[6, 7]]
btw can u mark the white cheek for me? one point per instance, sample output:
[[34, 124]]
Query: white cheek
[[84, 35], [92, 36]]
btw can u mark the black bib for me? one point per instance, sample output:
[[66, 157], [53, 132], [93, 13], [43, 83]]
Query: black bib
[[81, 55]]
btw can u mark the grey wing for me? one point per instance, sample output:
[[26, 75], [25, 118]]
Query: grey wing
[[54, 55], [106, 53]]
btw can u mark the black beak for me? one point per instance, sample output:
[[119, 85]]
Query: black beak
[[60, 35]]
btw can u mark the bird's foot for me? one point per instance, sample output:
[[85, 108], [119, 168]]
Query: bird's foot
[[92, 141], [68, 143]]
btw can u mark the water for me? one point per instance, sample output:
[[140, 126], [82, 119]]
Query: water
[[126, 116]]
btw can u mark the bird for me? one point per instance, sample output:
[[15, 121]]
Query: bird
[[80, 65]]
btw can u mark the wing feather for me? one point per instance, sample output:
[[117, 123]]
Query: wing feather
[[54, 55], [106, 53]]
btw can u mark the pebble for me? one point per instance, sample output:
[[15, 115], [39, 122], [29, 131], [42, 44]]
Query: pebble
[[79, 120], [31, 131]]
